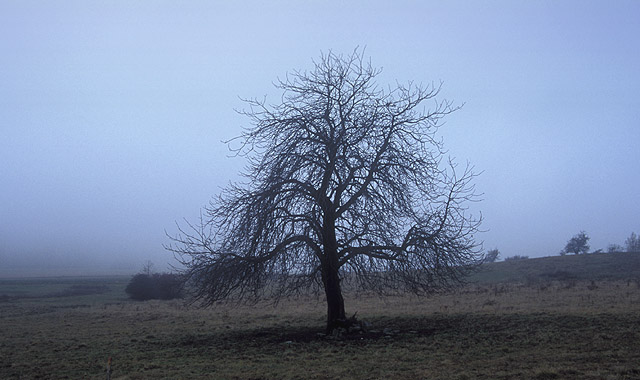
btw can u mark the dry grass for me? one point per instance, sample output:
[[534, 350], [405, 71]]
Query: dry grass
[[569, 329], [555, 318]]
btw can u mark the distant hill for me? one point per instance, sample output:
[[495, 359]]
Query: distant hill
[[596, 266]]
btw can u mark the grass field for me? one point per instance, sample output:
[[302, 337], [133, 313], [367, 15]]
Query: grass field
[[551, 318]]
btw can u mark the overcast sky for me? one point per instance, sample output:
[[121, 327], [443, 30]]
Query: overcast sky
[[112, 113]]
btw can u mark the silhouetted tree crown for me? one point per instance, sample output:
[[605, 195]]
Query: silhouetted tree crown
[[492, 255], [346, 182], [577, 244]]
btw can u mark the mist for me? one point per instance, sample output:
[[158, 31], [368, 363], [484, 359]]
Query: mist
[[113, 116]]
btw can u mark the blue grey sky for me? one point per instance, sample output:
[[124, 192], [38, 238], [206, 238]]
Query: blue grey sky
[[112, 113]]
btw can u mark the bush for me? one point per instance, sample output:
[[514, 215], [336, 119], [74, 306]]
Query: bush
[[516, 257], [611, 248], [163, 286]]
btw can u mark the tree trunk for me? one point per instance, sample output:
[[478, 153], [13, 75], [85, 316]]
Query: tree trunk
[[335, 303], [330, 270]]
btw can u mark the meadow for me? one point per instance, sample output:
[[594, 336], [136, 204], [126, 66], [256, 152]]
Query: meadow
[[572, 317]]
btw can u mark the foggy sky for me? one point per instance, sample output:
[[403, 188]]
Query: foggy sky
[[112, 113]]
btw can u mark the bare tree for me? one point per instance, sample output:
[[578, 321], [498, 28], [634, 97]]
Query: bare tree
[[633, 243], [346, 182], [148, 268]]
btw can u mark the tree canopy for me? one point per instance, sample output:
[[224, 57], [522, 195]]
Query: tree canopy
[[346, 182], [492, 255], [577, 244]]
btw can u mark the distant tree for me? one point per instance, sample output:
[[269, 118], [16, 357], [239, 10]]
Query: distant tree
[[633, 243], [492, 255], [577, 244], [345, 182], [611, 248], [515, 258], [148, 268]]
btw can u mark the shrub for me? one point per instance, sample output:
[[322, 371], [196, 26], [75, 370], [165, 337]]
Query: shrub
[[169, 285], [145, 286], [516, 257], [614, 248]]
